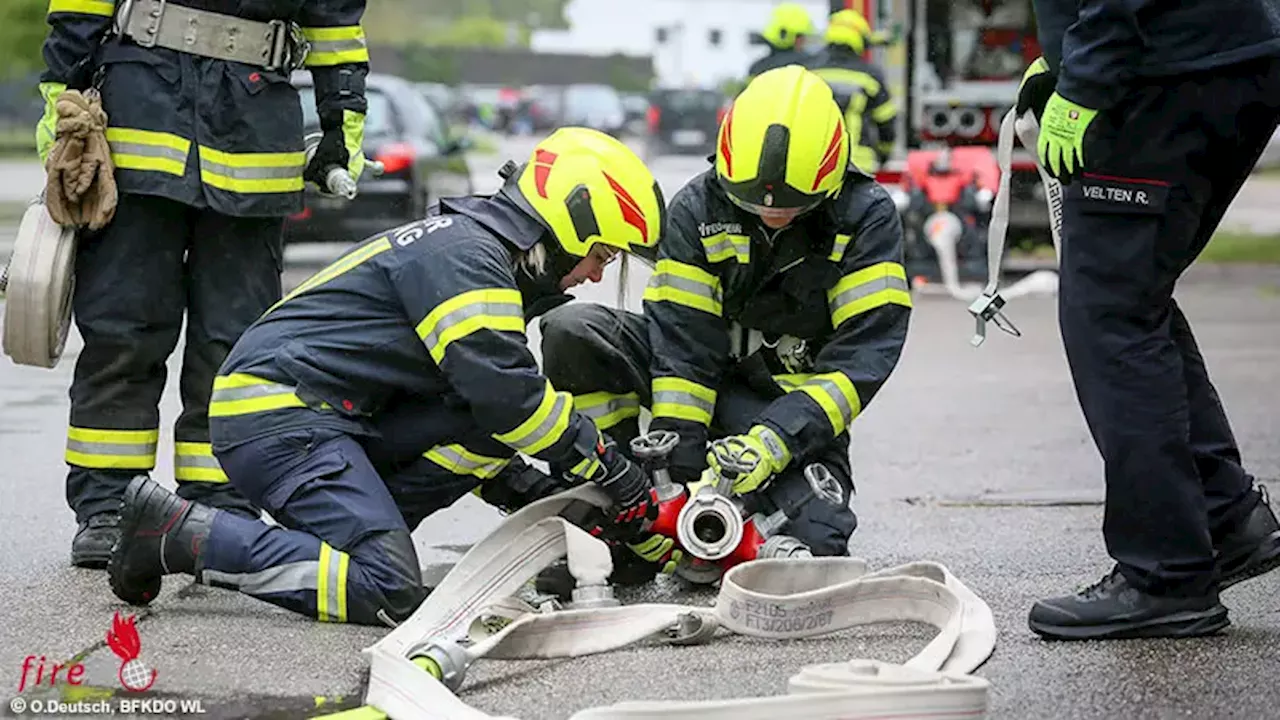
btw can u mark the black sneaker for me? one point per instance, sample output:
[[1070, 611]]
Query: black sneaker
[[91, 547], [1252, 548], [1112, 609]]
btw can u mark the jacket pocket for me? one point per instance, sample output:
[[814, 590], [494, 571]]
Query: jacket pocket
[[299, 363]]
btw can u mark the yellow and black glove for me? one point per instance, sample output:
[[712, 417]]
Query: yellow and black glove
[[341, 146], [47, 128], [760, 444], [660, 550], [1037, 86]]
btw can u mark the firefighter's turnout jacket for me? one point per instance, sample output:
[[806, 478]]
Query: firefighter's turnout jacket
[[202, 131], [428, 313], [863, 94], [819, 310]]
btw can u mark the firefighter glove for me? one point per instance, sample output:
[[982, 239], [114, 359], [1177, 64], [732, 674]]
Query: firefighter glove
[[1060, 146], [660, 550], [635, 501], [80, 186], [1036, 88], [759, 455]]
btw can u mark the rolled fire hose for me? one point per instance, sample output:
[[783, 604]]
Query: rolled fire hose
[[988, 307], [780, 599], [37, 285]]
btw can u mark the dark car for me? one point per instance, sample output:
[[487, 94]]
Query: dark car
[[423, 162], [684, 121]]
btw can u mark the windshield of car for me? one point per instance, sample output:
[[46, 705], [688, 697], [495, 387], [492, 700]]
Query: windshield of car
[[378, 121], [586, 97], [689, 101]]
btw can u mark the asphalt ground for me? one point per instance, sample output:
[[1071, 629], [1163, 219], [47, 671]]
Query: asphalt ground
[[975, 458]]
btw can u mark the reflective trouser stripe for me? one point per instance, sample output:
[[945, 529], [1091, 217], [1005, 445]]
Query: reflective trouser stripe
[[248, 173], [866, 289], [112, 449], [496, 309], [685, 285], [243, 394], [544, 427], [147, 150], [461, 461], [331, 585], [834, 392], [607, 409], [336, 45], [723, 246], [678, 398], [194, 462], [327, 577]]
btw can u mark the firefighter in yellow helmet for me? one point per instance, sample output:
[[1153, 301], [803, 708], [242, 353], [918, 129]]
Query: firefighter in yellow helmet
[[777, 309], [788, 30], [859, 87], [395, 381]]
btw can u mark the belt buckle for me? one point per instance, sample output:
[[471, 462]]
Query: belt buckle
[[288, 47]]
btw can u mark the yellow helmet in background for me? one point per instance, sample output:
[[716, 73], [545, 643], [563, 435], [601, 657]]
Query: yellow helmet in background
[[789, 21], [848, 28], [587, 187], [783, 143]]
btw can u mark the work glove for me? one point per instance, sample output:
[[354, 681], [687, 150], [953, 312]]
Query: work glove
[[660, 550], [1060, 146], [80, 186], [760, 443], [635, 501], [339, 147], [1037, 86]]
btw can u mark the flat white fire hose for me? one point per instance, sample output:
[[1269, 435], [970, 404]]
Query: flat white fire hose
[[783, 599], [37, 284]]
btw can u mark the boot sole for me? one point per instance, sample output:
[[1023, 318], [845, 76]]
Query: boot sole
[[1261, 562], [1178, 625], [128, 526], [90, 560]]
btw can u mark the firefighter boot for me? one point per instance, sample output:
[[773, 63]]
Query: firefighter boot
[[91, 547], [160, 534]]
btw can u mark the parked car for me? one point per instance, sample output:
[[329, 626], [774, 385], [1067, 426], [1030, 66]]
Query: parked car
[[422, 160], [594, 106], [684, 121]]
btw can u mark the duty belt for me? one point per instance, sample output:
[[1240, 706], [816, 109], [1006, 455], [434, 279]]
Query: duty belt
[[276, 45]]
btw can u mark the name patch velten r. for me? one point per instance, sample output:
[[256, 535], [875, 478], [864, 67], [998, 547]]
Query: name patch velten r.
[[1104, 193]]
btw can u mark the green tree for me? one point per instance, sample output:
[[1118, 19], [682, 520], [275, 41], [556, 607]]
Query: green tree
[[22, 33]]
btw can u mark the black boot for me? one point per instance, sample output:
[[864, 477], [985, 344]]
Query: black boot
[[1112, 609], [92, 545], [160, 534], [1252, 547]]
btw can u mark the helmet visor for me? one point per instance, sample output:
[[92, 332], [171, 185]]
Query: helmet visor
[[771, 211]]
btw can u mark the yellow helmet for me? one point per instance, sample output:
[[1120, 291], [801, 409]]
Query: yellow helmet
[[789, 21], [587, 187], [849, 29], [783, 142]]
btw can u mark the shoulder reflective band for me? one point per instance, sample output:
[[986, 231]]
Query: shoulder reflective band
[[497, 309], [686, 285]]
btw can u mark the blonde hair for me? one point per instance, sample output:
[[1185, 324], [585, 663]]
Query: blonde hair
[[534, 260]]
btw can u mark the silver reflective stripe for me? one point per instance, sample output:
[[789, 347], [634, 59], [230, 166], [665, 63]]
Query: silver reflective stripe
[[449, 458], [662, 279], [774, 445], [870, 287], [120, 449], [130, 148], [290, 577], [832, 391], [598, 412], [540, 433], [336, 46], [252, 173], [333, 588], [730, 244], [678, 397], [200, 461], [499, 309], [249, 392]]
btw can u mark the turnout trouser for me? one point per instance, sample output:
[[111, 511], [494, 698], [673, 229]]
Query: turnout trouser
[[134, 280], [1162, 168], [602, 356]]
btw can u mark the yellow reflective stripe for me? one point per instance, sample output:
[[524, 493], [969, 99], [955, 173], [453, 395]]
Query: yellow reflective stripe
[[148, 150], [461, 461], [675, 397], [276, 172], [243, 394], [866, 289], [498, 309], [723, 246], [686, 285], [112, 449], [336, 45], [338, 267], [884, 113], [194, 462], [586, 468], [838, 246], [607, 409], [105, 8], [331, 585], [835, 394], [544, 427]]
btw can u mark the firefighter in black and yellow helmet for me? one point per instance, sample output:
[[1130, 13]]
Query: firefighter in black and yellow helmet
[[859, 87], [788, 30], [777, 309], [397, 380]]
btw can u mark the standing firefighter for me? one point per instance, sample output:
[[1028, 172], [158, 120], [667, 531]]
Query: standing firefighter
[[860, 89], [206, 137], [777, 309], [789, 28], [389, 385], [1155, 113]]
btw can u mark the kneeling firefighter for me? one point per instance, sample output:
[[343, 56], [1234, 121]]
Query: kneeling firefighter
[[392, 383], [778, 307]]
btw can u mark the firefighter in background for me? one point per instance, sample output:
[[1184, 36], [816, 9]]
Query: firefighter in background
[[789, 28], [412, 342], [859, 87], [207, 140], [777, 309]]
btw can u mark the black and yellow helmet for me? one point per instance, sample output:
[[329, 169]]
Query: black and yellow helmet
[[783, 143], [848, 28], [587, 187]]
